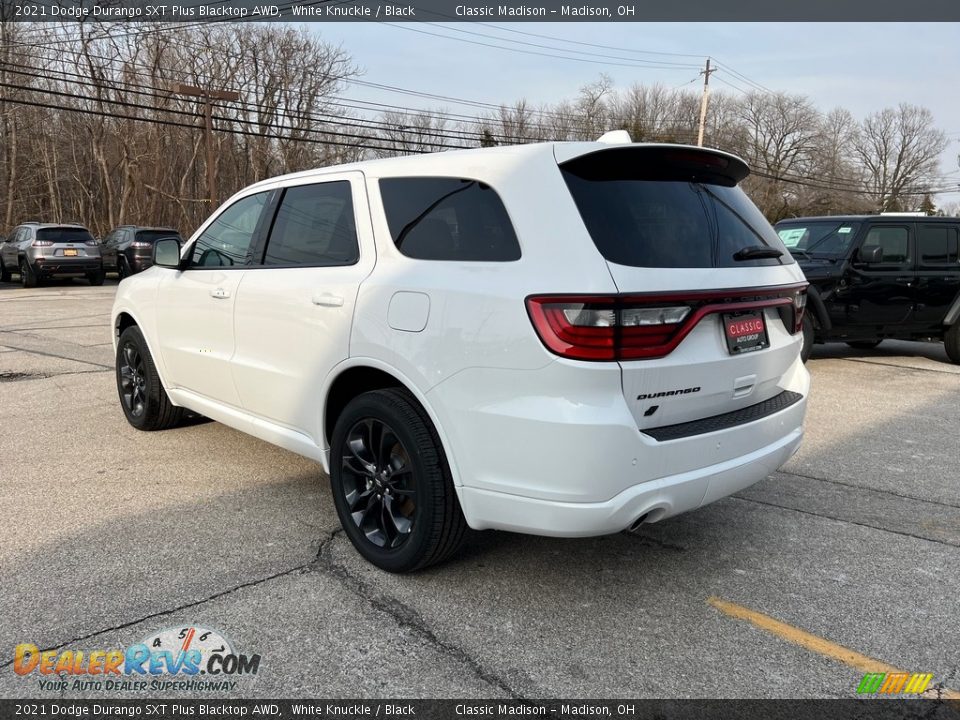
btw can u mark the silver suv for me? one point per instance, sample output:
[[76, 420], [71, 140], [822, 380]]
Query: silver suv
[[37, 251]]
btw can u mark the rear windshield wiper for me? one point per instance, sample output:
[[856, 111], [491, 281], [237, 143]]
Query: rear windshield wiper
[[755, 252]]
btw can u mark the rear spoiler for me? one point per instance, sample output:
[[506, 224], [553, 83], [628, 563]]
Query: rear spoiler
[[642, 161]]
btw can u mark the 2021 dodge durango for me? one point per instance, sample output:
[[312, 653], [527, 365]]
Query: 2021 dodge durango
[[565, 339]]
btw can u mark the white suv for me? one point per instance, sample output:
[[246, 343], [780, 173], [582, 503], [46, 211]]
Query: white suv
[[563, 339]]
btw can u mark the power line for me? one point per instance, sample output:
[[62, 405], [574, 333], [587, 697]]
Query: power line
[[166, 94], [635, 62]]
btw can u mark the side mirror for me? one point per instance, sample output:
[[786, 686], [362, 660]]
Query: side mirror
[[166, 253], [871, 254]]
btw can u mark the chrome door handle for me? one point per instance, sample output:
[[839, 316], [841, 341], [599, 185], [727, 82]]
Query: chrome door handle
[[327, 300], [219, 294]]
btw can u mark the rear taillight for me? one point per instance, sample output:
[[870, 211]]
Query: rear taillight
[[140, 244], [604, 328], [619, 327], [42, 243], [799, 308], [91, 243]]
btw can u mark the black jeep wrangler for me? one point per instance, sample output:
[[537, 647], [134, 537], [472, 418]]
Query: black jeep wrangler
[[878, 276]]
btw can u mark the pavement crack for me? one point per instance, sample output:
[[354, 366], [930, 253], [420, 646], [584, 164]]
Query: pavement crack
[[899, 367], [30, 351], [185, 606], [844, 520], [648, 541], [869, 489], [408, 618]]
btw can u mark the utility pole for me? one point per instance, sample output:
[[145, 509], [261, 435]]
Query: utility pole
[[208, 94], [703, 101]]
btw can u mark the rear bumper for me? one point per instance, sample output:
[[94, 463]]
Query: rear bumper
[[139, 263], [653, 501], [557, 451], [50, 267]]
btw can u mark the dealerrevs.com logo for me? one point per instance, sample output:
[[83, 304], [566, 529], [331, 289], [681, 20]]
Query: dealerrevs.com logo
[[186, 659]]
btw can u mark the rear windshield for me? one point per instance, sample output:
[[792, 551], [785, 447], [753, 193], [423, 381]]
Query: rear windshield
[[64, 235], [643, 215], [825, 238], [151, 236]]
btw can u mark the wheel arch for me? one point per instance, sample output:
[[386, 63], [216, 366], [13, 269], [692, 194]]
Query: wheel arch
[[819, 308], [360, 374], [124, 319]]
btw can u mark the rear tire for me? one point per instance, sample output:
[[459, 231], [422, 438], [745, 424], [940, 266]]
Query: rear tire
[[864, 344], [951, 342], [142, 397], [391, 483], [96, 278], [808, 334], [4, 273], [27, 278]]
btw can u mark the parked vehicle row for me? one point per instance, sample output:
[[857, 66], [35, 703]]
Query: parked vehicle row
[[874, 277], [40, 251]]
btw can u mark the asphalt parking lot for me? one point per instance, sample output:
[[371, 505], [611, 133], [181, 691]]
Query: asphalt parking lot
[[108, 535]]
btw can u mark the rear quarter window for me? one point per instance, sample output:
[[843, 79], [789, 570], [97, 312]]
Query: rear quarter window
[[448, 219]]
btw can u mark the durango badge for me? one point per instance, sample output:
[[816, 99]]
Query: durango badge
[[668, 393]]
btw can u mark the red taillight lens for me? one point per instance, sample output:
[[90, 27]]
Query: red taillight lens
[[799, 308], [42, 243], [637, 327], [603, 328], [578, 328]]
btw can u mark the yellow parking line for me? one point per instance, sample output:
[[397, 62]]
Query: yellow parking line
[[813, 642]]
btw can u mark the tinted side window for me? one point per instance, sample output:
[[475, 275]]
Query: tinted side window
[[314, 226], [228, 239], [448, 219], [938, 244], [895, 242]]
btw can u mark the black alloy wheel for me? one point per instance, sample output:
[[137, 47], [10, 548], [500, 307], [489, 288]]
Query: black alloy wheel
[[378, 483], [142, 397], [133, 380], [391, 483]]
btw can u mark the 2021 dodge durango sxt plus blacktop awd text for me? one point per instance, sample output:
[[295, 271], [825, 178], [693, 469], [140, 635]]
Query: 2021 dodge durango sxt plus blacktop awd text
[[563, 339]]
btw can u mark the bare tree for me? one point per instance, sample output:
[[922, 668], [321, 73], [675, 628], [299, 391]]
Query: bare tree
[[781, 133], [899, 149]]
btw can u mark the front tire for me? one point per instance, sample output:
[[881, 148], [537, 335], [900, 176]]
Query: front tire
[[391, 483], [142, 397], [951, 342], [27, 277]]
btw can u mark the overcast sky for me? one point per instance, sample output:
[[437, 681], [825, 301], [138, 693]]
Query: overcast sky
[[863, 67]]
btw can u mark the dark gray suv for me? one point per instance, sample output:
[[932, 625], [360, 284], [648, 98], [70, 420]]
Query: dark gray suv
[[37, 251]]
